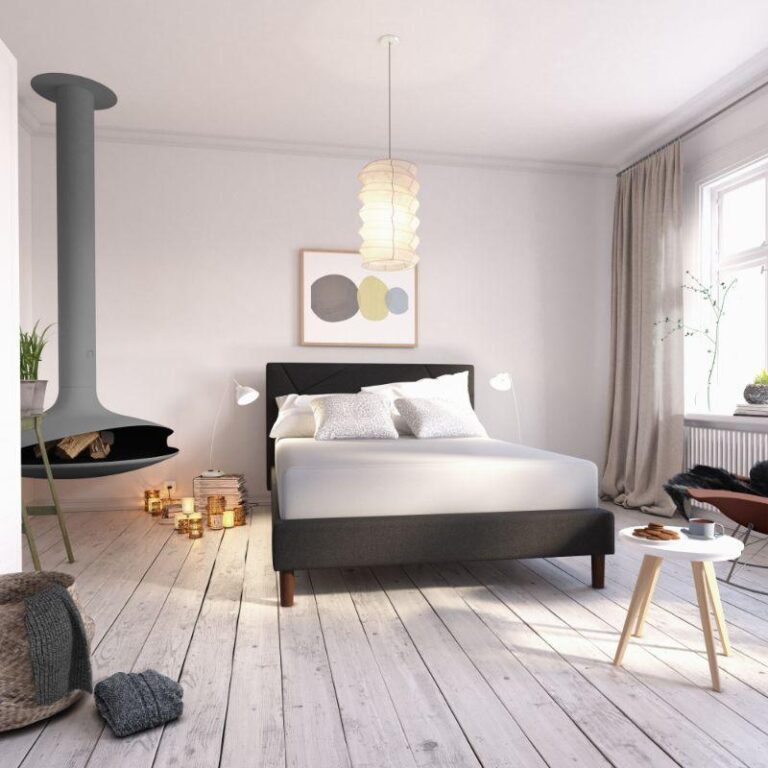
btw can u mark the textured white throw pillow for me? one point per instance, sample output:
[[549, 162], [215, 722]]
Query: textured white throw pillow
[[295, 417], [439, 418], [353, 417], [453, 387]]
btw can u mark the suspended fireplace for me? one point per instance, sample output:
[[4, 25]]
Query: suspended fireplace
[[132, 443]]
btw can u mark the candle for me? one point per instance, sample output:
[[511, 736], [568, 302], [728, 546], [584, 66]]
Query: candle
[[229, 518], [188, 505], [148, 495], [155, 506]]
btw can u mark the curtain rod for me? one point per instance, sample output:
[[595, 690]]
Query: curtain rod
[[696, 127]]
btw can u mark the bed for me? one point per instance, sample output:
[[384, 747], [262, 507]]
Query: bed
[[418, 501]]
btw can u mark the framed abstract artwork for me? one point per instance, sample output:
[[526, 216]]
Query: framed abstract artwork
[[343, 305]]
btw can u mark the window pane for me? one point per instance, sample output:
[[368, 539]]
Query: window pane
[[742, 335], [742, 222]]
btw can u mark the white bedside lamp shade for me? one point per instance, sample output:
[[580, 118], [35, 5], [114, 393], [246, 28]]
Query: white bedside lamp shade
[[245, 395], [501, 382]]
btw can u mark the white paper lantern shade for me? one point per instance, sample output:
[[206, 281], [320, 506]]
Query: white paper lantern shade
[[388, 195]]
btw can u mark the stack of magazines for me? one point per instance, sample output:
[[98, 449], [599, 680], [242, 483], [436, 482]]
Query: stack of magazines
[[230, 486], [747, 409]]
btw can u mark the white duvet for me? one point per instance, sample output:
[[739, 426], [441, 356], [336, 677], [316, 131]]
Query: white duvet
[[358, 478]]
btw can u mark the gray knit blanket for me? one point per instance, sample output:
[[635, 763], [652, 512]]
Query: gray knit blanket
[[135, 701], [58, 645]]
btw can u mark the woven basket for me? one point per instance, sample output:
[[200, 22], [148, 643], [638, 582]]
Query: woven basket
[[18, 706]]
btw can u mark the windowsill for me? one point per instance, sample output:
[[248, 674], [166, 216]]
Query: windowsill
[[727, 421]]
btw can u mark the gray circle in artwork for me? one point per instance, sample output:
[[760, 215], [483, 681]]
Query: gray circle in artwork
[[397, 301], [333, 298]]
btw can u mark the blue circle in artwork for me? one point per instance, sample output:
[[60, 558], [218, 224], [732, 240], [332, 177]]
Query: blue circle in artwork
[[397, 301]]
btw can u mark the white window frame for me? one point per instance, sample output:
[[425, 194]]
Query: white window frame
[[711, 214]]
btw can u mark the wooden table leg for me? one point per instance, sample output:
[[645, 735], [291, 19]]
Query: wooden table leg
[[653, 577], [714, 596], [700, 580], [638, 597], [54, 493]]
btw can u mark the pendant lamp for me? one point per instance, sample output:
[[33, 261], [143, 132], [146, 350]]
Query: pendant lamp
[[388, 195]]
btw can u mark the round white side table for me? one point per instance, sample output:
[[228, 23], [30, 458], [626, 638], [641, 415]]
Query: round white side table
[[701, 554]]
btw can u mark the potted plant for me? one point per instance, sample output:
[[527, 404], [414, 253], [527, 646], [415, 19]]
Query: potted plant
[[31, 345], [756, 393]]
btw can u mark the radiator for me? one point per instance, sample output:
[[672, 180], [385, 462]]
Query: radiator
[[721, 442]]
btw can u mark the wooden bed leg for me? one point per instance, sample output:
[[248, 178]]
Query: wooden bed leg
[[598, 571], [287, 587]]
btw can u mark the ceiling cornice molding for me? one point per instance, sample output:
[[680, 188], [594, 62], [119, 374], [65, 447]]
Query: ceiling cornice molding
[[200, 141], [722, 92]]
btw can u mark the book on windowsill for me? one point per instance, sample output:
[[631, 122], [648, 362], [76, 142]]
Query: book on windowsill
[[748, 409], [230, 486]]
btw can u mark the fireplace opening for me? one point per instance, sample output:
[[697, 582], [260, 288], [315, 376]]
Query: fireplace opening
[[133, 447]]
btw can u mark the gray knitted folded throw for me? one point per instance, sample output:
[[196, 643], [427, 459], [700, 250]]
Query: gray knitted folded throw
[[135, 701], [58, 645]]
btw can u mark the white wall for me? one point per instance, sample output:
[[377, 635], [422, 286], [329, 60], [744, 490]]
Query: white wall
[[10, 526], [197, 281]]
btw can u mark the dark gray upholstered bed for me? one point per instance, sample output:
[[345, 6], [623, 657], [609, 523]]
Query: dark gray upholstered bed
[[335, 542]]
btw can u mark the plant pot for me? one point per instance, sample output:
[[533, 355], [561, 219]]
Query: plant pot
[[756, 394], [32, 397]]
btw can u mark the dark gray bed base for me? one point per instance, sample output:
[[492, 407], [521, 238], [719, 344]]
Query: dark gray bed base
[[405, 539]]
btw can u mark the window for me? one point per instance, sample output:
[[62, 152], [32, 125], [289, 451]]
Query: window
[[734, 258]]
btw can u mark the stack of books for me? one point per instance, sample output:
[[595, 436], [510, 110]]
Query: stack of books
[[748, 409], [230, 486]]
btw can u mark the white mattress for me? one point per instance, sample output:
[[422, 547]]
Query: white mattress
[[357, 478]]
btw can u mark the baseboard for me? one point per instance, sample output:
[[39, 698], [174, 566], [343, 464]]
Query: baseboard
[[117, 504]]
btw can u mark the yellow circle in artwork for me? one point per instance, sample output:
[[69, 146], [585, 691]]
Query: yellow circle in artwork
[[372, 298]]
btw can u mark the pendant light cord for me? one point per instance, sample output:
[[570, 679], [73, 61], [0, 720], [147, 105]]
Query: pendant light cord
[[389, 100], [389, 145]]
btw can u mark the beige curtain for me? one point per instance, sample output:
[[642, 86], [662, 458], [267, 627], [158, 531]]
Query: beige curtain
[[645, 444]]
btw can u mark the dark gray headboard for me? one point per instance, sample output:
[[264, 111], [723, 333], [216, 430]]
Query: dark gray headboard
[[321, 378]]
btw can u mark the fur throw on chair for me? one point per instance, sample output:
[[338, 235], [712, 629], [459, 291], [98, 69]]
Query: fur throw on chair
[[713, 478]]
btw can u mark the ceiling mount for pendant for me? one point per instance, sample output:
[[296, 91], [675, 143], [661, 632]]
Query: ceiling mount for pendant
[[388, 195]]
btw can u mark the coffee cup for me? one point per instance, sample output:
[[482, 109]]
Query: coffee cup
[[703, 528]]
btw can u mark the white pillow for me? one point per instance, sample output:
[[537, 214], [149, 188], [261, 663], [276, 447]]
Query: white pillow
[[453, 387], [295, 417], [439, 418], [353, 417]]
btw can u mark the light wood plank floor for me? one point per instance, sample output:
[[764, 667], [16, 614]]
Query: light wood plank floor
[[466, 664]]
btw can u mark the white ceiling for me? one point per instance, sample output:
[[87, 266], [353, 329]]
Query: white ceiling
[[558, 80]]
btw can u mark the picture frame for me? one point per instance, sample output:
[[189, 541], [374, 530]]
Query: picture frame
[[341, 304]]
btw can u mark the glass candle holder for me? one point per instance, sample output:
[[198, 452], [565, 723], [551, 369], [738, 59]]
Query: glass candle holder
[[240, 515], [228, 520], [195, 526], [155, 506], [216, 520], [181, 523], [152, 493]]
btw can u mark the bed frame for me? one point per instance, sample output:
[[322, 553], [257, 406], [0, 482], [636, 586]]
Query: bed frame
[[403, 539]]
